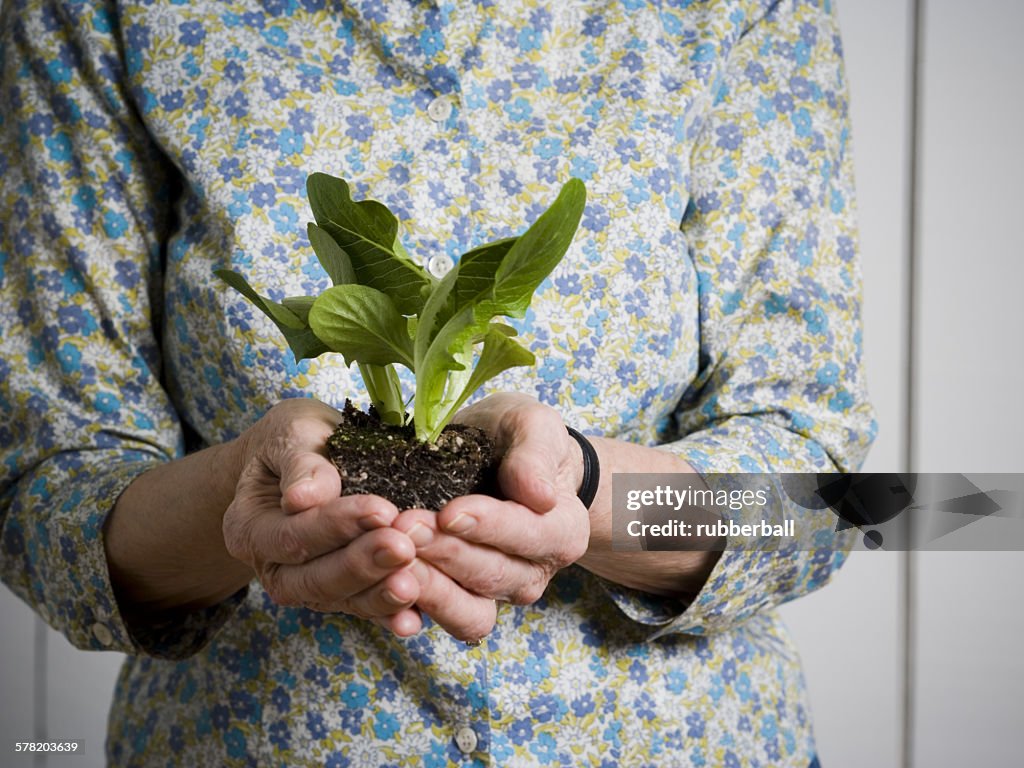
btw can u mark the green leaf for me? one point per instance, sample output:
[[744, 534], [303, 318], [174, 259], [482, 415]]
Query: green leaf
[[477, 269], [362, 324], [497, 279], [436, 355], [508, 330], [500, 278], [290, 316], [500, 352], [538, 250], [333, 259], [279, 313], [368, 233], [381, 381], [299, 306]]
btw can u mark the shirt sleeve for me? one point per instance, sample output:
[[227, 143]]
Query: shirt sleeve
[[772, 233], [83, 216]]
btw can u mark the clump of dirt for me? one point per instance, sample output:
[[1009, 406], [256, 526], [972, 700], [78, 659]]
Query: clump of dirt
[[378, 458]]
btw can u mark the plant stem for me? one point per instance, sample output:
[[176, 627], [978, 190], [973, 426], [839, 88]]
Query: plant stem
[[385, 392]]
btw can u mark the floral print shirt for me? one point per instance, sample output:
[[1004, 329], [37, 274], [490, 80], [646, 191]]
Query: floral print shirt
[[709, 305]]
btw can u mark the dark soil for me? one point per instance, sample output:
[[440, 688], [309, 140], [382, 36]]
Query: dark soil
[[373, 457]]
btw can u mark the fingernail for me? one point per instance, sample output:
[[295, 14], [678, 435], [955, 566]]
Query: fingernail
[[461, 524], [420, 534], [296, 485], [419, 570], [369, 522], [391, 598], [386, 558]]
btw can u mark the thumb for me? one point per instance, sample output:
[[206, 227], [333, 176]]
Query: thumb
[[529, 471], [289, 445], [308, 479]]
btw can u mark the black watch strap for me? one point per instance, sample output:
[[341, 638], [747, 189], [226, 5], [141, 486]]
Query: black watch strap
[[591, 469]]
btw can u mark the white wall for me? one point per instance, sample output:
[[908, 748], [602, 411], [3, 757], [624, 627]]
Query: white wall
[[968, 668], [17, 673], [965, 671]]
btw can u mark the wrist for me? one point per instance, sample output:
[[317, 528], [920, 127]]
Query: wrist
[[239, 452], [230, 460], [249, 444]]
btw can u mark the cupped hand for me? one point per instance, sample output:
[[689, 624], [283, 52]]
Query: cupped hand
[[481, 549], [307, 544]]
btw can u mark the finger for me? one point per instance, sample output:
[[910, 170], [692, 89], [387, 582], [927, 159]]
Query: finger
[[405, 623], [418, 524], [463, 615], [331, 579], [388, 597], [303, 536], [478, 568], [556, 539]]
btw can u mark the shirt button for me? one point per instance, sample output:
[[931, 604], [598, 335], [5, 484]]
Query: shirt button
[[465, 739], [103, 635], [439, 266], [440, 109]]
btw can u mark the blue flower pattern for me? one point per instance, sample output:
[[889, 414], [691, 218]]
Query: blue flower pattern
[[709, 305]]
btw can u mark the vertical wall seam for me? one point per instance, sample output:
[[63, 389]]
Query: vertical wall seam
[[912, 205], [911, 330]]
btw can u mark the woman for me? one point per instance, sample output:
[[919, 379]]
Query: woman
[[158, 502]]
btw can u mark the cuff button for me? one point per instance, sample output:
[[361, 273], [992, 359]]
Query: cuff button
[[103, 635]]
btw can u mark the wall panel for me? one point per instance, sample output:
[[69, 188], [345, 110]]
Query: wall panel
[[967, 666], [17, 684], [79, 689]]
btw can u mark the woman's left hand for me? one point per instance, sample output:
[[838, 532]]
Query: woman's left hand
[[503, 550]]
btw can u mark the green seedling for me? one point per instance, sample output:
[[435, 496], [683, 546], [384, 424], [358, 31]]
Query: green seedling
[[386, 310]]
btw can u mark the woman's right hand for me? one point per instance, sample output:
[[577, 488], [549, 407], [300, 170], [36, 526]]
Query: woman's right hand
[[307, 544]]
